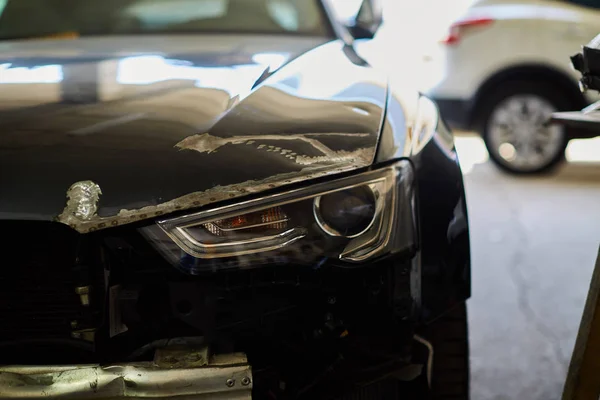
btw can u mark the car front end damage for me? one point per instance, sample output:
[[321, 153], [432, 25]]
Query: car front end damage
[[191, 374], [313, 284], [291, 250]]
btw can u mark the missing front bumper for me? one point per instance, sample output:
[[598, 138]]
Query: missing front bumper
[[224, 377]]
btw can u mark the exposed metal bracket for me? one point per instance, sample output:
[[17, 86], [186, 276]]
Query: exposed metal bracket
[[429, 346], [225, 377]]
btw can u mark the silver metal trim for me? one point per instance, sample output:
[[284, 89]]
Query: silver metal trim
[[592, 108], [356, 251], [241, 228], [184, 239], [129, 380], [524, 142]]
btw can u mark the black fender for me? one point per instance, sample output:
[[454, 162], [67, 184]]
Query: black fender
[[442, 265]]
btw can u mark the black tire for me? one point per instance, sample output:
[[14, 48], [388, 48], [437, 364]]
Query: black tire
[[554, 95], [449, 337]]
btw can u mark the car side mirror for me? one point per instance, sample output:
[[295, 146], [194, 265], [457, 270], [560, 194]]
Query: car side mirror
[[368, 20]]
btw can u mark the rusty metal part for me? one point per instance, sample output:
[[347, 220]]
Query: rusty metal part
[[126, 381]]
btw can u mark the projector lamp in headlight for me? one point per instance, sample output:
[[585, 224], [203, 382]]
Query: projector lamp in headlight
[[347, 212], [348, 221]]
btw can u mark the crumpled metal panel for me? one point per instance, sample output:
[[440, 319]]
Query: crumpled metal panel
[[83, 197], [160, 147], [228, 377], [82, 200]]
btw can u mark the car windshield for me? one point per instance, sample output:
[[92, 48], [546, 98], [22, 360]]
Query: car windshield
[[42, 18]]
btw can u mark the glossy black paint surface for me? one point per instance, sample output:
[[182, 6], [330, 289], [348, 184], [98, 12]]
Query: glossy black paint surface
[[116, 120], [443, 264], [125, 113]]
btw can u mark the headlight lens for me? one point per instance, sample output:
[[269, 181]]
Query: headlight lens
[[348, 221], [347, 212]]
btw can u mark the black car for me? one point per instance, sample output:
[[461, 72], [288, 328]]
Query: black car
[[222, 199]]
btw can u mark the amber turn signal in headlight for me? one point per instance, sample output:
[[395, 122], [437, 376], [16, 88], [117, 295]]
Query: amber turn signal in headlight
[[348, 221], [261, 221]]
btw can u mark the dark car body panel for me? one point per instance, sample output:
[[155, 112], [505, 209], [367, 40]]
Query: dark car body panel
[[456, 112], [128, 123], [443, 264], [192, 122]]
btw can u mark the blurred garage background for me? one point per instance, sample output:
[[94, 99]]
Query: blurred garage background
[[534, 238]]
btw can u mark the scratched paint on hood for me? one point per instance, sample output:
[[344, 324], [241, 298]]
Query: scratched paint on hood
[[206, 143], [85, 195]]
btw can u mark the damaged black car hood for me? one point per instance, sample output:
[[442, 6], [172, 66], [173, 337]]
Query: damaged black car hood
[[100, 132]]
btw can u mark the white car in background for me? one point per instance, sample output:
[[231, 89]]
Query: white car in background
[[504, 67]]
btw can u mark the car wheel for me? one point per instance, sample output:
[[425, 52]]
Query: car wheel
[[515, 129]]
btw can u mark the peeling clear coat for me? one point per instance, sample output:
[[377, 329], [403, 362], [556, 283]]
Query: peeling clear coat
[[158, 147]]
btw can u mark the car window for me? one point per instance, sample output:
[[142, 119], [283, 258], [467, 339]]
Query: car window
[[34, 18]]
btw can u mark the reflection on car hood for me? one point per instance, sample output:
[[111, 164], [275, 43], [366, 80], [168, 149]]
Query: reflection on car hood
[[130, 128]]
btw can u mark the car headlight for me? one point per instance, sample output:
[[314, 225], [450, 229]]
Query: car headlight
[[348, 220]]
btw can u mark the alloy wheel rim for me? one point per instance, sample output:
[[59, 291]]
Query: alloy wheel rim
[[519, 134]]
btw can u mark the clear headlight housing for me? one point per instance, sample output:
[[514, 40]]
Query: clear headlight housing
[[347, 221]]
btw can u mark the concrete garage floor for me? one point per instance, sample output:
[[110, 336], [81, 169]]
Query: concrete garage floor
[[534, 239], [534, 244]]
